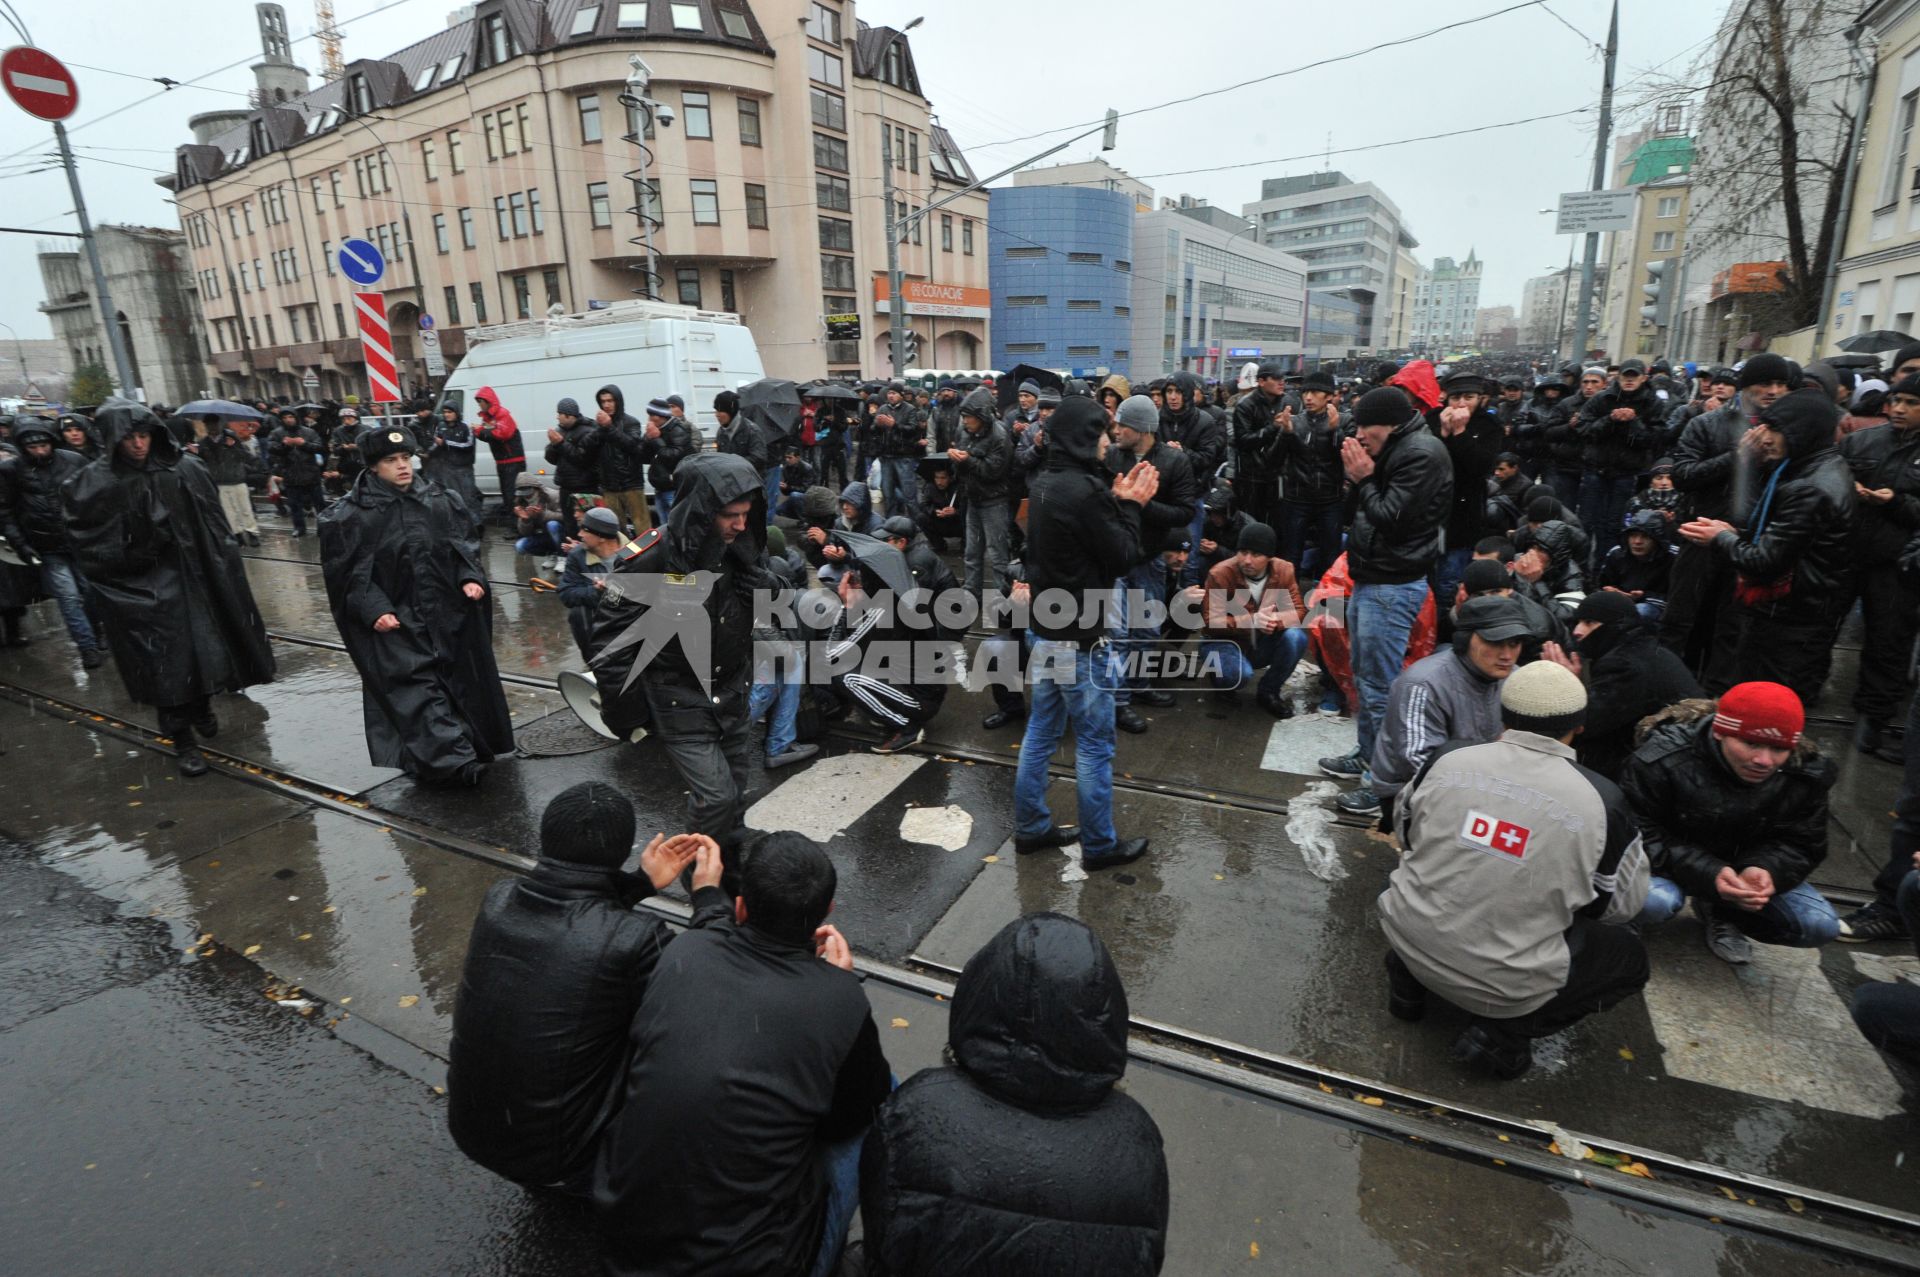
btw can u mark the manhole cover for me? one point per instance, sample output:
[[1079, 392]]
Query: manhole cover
[[556, 736]]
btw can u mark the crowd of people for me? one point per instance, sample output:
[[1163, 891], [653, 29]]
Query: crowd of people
[[1577, 619]]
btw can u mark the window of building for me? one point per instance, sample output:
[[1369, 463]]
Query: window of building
[[833, 192], [646, 197], [966, 236], [502, 221], [640, 122], [293, 326], [584, 18], [450, 298], [533, 207], [1029, 299], [706, 201], [478, 296], [899, 147], [455, 163], [318, 206], [517, 205], [466, 228], [825, 68], [1120, 356], [451, 67], [749, 121], [756, 206], [430, 160], [687, 278], [1026, 347], [830, 152], [734, 23], [893, 66], [1669, 206], [246, 216], [686, 17], [829, 109], [490, 133], [1026, 253], [1082, 303], [599, 207], [522, 298], [823, 24], [1663, 241], [590, 118], [253, 326], [496, 41], [836, 272], [1122, 267], [423, 79], [550, 281], [914, 230], [326, 256], [1092, 259], [727, 301], [946, 232], [1902, 140], [1083, 352], [359, 99], [696, 114], [633, 13], [836, 233], [271, 339], [440, 233], [913, 152], [1122, 312]]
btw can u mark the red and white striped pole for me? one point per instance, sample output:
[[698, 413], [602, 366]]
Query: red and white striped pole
[[376, 347]]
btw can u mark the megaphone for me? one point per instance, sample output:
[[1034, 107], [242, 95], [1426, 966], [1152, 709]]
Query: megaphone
[[582, 696]]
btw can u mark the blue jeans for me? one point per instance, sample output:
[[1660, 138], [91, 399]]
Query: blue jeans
[[784, 697], [62, 581], [1062, 686], [1379, 620], [840, 1164], [1798, 919], [1603, 508], [1133, 593], [1191, 574], [663, 498], [772, 477], [297, 499], [537, 544], [898, 476], [1651, 610], [1277, 653], [1447, 574], [1297, 518]]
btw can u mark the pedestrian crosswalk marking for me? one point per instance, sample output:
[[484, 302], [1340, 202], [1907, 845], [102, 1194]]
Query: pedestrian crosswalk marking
[[826, 798]]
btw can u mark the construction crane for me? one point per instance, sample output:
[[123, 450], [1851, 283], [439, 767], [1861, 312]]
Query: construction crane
[[327, 31]]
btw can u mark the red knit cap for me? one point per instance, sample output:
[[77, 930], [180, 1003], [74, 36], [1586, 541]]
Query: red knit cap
[[1762, 713]]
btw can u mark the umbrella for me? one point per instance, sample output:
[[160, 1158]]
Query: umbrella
[[1878, 339], [928, 466], [1853, 361], [831, 390], [1008, 387], [773, 405], [871, 554], [220, 408]]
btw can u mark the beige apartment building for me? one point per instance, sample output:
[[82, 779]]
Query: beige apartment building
[[1639, 301], [489, 163]]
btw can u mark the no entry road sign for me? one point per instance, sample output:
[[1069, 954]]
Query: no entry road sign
[[39, 83]]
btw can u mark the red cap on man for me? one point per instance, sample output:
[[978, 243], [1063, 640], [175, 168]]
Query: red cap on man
[[1760, 713]]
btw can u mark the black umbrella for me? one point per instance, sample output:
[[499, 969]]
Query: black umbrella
[[1878, 339], [1007, 389], [773, 405], [1853, 361], [831, 390], [871, 554], [220, 408], [929, 466]]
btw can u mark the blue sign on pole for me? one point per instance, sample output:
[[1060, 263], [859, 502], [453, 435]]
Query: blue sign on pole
[[361, 262], [426, 322], [1244, 352]]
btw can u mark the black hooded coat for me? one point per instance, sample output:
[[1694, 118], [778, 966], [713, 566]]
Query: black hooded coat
[[1022, 1160], [161, 568], [430, 691], [688, 547], [1801, 547], [1080, 538]]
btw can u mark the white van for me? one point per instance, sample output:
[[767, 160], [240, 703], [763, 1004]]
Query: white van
[[648, 349]]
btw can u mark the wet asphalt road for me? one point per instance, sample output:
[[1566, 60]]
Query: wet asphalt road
[[194, 1097]]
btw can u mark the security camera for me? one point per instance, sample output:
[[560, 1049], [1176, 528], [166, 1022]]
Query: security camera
[[663, 116]]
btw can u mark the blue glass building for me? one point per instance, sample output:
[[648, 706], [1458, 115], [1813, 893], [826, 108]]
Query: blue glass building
[[1060, 262]]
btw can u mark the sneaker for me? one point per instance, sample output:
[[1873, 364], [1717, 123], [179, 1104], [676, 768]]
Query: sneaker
[[1872, 922], [1123, 853], [790, 755], [1344, 767], [904, 739], [1359, 802], [1406, 996], [1724, 940], [1484, 1047], [1058, 836], [191, 762], [92, 658]]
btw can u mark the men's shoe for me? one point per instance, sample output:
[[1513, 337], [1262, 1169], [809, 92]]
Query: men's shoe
[[1359, 802], [92, 658], [904, 739], [191, 762], [1123, 853], [1873, 922], [296, 535], [1502, 1054], [1128, 719], [1724, 940], [790, 755], [1406, 996], [1155, 697], [1275, 704], [472, 774], [1058, 836], [1000, 718], [1344, 767], [209, 727]]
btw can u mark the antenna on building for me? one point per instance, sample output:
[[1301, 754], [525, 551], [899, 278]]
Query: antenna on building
[[327, 31], [1327, 161]]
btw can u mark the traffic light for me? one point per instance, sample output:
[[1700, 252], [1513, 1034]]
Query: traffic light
[[1658, 283], [910, 347]]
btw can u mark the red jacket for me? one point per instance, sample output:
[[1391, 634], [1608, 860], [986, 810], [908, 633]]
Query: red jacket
[[499, 429]]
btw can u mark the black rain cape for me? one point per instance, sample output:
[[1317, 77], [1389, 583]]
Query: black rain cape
[[161, 568], [430, 690]]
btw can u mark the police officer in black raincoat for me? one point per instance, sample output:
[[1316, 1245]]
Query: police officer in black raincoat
[[407, 590], [164, 576], [680, 595]]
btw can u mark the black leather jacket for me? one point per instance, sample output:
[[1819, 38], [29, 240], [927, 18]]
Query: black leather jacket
[[1703, 460], [1621, 447], [1400, 510], [31, 516], [1308, 460], [1254, 434], [1806, 534], [985, 474], [576, 458], [1883, 457]]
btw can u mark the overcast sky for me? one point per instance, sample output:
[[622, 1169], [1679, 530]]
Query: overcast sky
[[996, 70]]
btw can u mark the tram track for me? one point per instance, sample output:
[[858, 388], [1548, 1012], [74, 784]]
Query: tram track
[[1840, 1226]]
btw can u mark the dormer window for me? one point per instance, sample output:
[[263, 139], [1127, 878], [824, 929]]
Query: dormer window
[[259, 134], [496, 41], [359, 96]]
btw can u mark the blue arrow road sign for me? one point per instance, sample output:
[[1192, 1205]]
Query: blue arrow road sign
[[361, 262]]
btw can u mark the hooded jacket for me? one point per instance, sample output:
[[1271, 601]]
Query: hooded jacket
[[1697, 817], [1400, 510], [31, 515], [664, 455], [1799, 536], [624, 451], [1199, 433], [985, 476], [1530, 425], [1172, 504], [555, 969], [162, 571], [687, 547], [1255, 437], [1021, 1160], [1080, 538], [1629, 676], [499, 429], [575, 458], [860, 497], [89, 447], [1883, 457], [1618, 448]]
